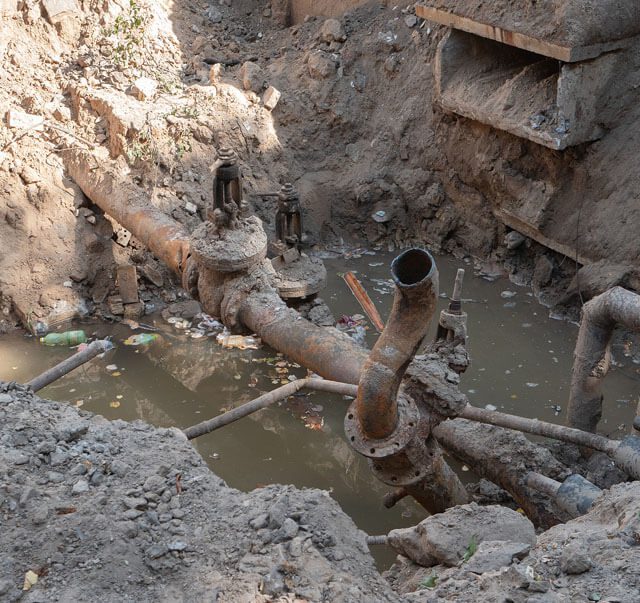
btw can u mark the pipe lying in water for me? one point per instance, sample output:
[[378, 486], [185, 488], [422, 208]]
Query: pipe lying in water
[[416, 277], [264, 401], [617, 306], [66, 366], [327, 352]]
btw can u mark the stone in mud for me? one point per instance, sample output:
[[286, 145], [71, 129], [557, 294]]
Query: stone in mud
[[271, 98], [252, 76], [575, 560], [332, 31], [444, 538], [320, 66]]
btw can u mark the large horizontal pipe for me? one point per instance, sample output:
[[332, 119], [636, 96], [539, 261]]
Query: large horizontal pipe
[[327, 352], [129, 206]]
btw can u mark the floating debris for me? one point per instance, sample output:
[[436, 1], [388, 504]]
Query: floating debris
[[141, 339]]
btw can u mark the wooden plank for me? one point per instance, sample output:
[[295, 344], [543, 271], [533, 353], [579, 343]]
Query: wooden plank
[[532, 232], [492, 32]]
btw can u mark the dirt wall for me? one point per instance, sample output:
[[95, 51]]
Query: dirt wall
[[325, 8]]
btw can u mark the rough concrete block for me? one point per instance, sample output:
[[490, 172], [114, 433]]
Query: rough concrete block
[[252, 76], [24, 121], [128, 284], [271, 98]]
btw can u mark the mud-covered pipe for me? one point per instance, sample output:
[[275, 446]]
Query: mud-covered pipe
[[130, 206], [416, 277], [600, 316], [327, 352]]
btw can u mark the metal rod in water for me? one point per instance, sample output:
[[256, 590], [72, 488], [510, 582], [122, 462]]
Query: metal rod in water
[[267, 400], [68, 365], [457, 286]]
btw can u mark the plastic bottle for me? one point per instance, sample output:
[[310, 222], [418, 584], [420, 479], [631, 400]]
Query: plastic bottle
[[67, 338], [141, 339]]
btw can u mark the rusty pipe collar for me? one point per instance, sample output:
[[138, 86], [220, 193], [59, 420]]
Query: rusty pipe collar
[[416, 277]]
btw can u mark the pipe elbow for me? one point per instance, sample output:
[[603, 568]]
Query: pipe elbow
[[415, 275]]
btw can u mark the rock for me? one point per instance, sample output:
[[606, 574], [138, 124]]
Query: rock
[[260, 522], [332, 31], [80, 487], [492, 555], [411, 20], [177, 545], [56, 10], [574, 560], [119, 468], [144, 88], [271, 98], [154, 483], [514, 239], [214, 14], [157, 550], [444, 538], [320, 66], [29, 175], [215, 72], [152, 275], [543, 271], [252, 76], [185, 309], [132, 502], [24, 121]]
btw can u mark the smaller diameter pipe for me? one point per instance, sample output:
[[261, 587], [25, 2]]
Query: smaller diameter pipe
[[70, 364], [267, 400], [540, 428]]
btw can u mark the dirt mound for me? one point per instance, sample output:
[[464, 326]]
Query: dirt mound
[[116, 511]]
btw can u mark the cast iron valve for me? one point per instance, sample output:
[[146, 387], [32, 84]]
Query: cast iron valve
[[227, 190], [289, 217]]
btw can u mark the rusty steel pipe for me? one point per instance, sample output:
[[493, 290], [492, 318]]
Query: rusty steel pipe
[[416, 277], [327, 352], [600, 316], [130, 206]]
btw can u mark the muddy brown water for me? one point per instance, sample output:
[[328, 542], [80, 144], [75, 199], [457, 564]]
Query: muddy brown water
[[521, 362]]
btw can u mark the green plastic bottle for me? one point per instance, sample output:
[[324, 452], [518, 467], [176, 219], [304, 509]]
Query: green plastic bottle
[[68, 338]]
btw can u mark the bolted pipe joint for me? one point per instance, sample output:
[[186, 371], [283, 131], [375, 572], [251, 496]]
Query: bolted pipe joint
[[416, 277], [386, 427]]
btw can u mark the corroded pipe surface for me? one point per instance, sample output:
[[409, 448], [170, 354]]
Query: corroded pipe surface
[[130, 206], [327, 352], [600, 316], [416, 278]]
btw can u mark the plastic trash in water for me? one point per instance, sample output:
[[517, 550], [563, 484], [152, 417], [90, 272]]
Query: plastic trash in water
[[141, 339], [240, 342], [68, 338]]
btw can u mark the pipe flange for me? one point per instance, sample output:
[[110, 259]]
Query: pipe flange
[[304, 277], [405, 468], [229, 250], [408, 417]]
